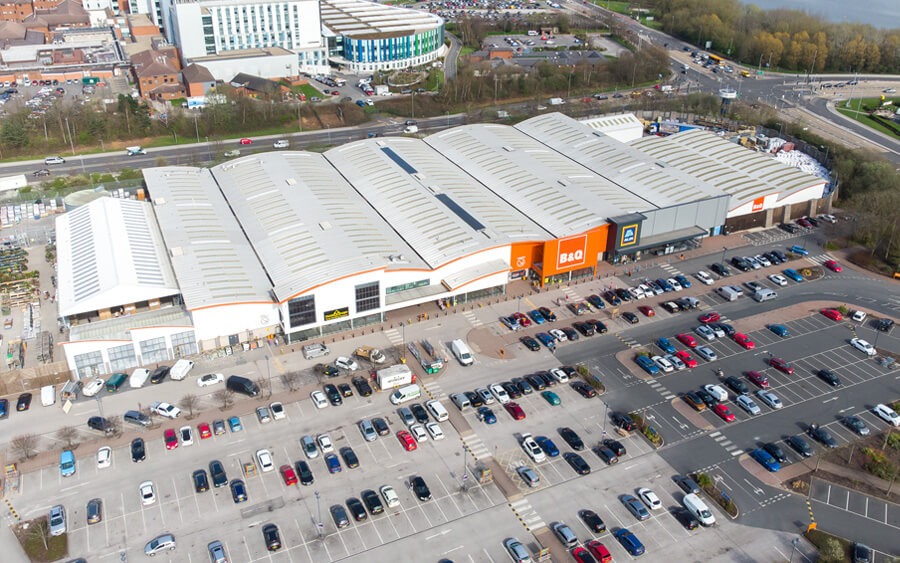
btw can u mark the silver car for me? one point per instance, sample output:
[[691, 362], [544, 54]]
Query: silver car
[[57, 520], [368, 431], [308, 445], [706, 332], [159, 544], [706, 353], [217, 552], [769, 398], [517, 551], [748, 404]]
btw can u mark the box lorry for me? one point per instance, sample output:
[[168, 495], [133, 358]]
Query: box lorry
[[394, 376], [557, 101]]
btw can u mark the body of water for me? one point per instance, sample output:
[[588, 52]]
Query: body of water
[[879, 13]]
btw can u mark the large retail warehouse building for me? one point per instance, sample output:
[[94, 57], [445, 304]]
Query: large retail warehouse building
[[304, 244]]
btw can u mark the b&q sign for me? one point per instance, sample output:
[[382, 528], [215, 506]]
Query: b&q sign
[[758, 204], [572, 252]]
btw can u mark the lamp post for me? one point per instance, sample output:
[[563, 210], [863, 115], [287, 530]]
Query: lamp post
[[196, 129], [268, 375], [724, 249], [465, 477], [794, 543], [319, 526], [71, 141]]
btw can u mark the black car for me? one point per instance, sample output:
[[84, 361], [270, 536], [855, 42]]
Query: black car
[[856, 424], [349, 457], [720, 269], [630, 317], [800, 445], [569, 370], [686, 518], [821, 435], [592, 520], [612, 298], [623, 421], [741, 264], [474, 399], [523, 385], [547, 314], [201, 483], [775, 451], [100, 423], [773, 258], [138, 451], [512, 390], [884, 325], [736, 385], [345, 390], [707, 399], [577, 462], [24, 402], [623, 294], [419, 412], [782, 257], [304, 472], [829, 377], [421, 490], [615, 446], [373, 502], [726, 328], [549, 380], [788, 227], [41, 172], [571, 438], [271, 537], [238, 491], [217, 473], [584, 328], [583, 389], [357, 509], [599, 326], [334, 396], [606, 454], [671, 307], [570, 333], [362, 386], [339, 515], [530, 343], [536, 381], [862, 553], [596, 301], [381, 426], [159, 374]]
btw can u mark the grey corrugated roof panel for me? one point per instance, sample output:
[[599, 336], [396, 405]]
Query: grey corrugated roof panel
[[120, 328], [306, 222], [213, 260]]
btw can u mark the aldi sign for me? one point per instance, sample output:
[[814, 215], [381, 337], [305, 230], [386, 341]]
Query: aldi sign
[[629, 235]]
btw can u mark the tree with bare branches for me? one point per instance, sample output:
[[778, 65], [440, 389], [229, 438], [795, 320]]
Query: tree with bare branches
[[25, 446], [265, 385], [291, 380], [189, 402], [115, 426], [225, 397], [68, 435]]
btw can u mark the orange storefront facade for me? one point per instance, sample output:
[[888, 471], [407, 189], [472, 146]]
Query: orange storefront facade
[[559, 259]]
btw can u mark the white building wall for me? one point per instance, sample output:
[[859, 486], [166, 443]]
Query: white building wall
[[266, 66], [186, 29], [73, 349], [215, 322]]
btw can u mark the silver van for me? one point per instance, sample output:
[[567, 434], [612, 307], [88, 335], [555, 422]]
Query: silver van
[[727, 293], [311, 351], [460, 400], [764, 294]]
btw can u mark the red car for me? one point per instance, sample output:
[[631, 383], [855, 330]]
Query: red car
[[686, 357], [744, 341], [599, 551], [524, 321], [171, 439], [245, 141], [287, 473], [687, 340], [833, 314], [723, 412], [781, 365], [514, 410], [833, 266], [581, 555], [758, 379], [647, 311], [710, 317], [407, 440], [205, 431]]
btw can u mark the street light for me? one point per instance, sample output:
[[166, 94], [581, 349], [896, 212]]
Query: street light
[[268, 375], [794, 543], [724, 249], [319, 526]]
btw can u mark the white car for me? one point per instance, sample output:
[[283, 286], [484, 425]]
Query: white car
[[717, 391], [765, 262], [859, 316], [664, 364], [645, 290], [704, 277], [210, 379], [435, 430], [674, 283], [717, 330], [778, 279], [559, 375], [676, 361], [636, 292], [264, 457], [500, 393], [390, 496], [706, 353], [769, 398], [485, 395], [93, 387], [863, 346], [887, 414], [559, 335], [148, 493], [277, 410], [532, 448], [325, 443], [748, 404], [104, 457], [165, 409], [828, 217], [650, 499], [418, 432], [344, 362], [706, 332], [318, 399], [281, 144], [187, 437]]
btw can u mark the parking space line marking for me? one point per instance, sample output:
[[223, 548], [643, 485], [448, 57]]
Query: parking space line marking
[[177, 501], [450, 496]]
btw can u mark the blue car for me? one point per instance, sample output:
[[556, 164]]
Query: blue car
[[537, 317], [797, 249], [4, 408], [765, 459], [665, 345], [685, 283], [546, 340], [361, 103], [647, 365], [67, 463], [780, 330], [333, 463], [665, 285], [793, 274], [547, 445], [235, 424], [486, 415], [629, 541]]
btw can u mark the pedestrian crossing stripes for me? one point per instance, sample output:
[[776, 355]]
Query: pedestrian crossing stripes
[[727, 444], [672, 270], [571, 296], [472, 318], [527, 515], [659, 388], [434, 390], [820, 258], [394, 336], [628, 341], [476, 447]]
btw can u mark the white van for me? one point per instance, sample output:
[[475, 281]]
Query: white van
[[728, 294], [138, 378], [437, 410], [48, 395], [461, 401], [462, 352], [180, 370], [406, 393], [311, 351], [764, 294], [699, 509]]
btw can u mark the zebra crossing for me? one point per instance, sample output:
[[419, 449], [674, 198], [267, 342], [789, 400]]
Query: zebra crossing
[[394, 336], [434, 390], [820, 258], [726, 443], [572, 296], [670, 269], [768, 236], [476, 446], [628, 340], [472, 318], [661, 389], [527, 515]]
